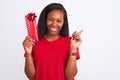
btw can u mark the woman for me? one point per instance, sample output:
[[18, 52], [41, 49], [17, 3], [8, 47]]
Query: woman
[[54, 56]]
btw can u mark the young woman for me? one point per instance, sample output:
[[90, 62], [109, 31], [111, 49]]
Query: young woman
[[54, 56]]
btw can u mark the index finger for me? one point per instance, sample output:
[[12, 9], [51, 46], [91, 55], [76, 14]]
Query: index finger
[[80, 32]]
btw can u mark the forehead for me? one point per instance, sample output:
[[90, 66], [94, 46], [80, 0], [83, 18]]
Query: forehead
[[56, 14]]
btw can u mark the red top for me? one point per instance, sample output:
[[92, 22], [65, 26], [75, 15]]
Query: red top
[[50, 58]]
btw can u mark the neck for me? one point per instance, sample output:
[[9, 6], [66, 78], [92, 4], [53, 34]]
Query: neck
[[52, 37]]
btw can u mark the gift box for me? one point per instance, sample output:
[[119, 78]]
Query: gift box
[[31, 25]]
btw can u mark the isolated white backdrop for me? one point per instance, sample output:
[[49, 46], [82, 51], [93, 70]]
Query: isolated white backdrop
[[100, 50]]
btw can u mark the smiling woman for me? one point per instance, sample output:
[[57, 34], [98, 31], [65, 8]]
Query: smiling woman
[[42, 26], [54, 56], [55, 21]]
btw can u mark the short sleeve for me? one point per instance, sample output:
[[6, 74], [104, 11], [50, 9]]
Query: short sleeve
[[78, 55]]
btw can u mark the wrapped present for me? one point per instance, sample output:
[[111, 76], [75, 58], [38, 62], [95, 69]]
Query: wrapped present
[[31, 25]]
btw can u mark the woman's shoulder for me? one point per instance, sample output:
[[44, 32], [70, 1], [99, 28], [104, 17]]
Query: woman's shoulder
[[65, 38], [40, 39], [61, 39]]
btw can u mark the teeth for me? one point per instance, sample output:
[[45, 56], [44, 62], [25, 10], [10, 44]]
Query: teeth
[[53, 29]]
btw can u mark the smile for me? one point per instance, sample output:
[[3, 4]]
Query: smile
[[53, 29]]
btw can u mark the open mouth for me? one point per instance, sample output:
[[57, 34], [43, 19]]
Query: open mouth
[[53, 29]]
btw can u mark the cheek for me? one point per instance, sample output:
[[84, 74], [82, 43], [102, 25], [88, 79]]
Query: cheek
[[61, 24], [48, 23]]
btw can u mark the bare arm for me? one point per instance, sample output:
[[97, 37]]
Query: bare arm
[[29, 63], [29, 67], [71, 68]]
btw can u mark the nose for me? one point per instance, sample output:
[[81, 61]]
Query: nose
[[54, 23]]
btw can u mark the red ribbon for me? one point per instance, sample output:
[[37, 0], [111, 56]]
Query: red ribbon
[[31, 16]]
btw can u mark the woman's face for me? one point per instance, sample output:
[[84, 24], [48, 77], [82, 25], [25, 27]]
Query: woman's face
[[55, 20]]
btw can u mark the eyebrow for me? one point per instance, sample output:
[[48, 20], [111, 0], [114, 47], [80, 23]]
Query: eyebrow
[[57, 18]]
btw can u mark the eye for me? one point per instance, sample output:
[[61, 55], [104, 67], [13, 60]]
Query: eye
[[59, 21], [50, 19]]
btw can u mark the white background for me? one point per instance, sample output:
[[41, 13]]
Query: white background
[[100, 50]]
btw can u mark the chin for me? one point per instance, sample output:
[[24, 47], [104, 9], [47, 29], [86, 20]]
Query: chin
[[53, 33]]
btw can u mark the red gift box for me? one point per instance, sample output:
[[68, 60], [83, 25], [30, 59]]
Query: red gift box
[[31, 25]]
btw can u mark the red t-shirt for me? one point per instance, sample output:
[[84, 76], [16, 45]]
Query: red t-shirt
[[50, 58]]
